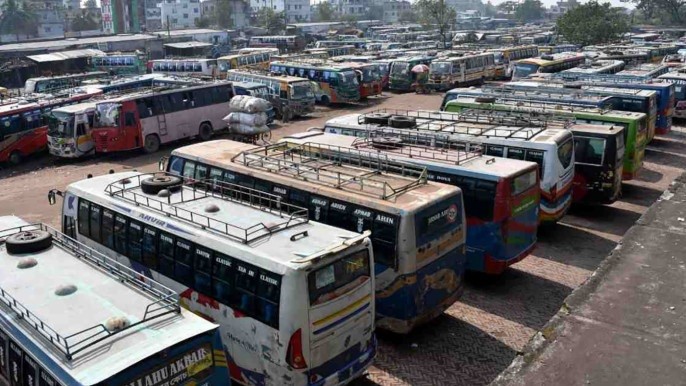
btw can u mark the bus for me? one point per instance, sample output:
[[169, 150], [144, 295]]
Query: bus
[[296, 92], [258, 59], [338, 83], [385, 70], [546, 64], [597, 67], [186, 67], [401, 77], [368, 75], [120, 64], [665, 92], [501, 197], [451, 72], [557, 49], [23, 128], [147, 119], [332, 52], [646, 71], [288, 42], [638, 101], [69, 130], [72, 316], [51, 84], [257, 90], [358, 44], [598, 163], [634, 124], [678, 80], [551, 148], [418, 227], [293, 298], [507, 55], [641, 101]]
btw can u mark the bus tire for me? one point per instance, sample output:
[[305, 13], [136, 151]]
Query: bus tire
[[377, 118], [402, 122], [15, 157], [152, 143], [325, 100], [28, 242], [153, 185], [205, 131]]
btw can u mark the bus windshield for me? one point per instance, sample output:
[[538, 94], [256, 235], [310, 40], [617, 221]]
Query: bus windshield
[[348, 77], [400, 68], [61, 124], [440, 68], [370, 74], [525, 69], [107, 114], [333, 280], [301, 90]]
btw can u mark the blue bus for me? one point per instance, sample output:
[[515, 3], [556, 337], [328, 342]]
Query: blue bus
[[72, 316]]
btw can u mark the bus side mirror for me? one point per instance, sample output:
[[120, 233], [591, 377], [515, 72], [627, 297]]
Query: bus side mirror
[[162, 164], [52, 196]]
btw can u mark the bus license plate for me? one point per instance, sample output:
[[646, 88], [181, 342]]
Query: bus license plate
[[345, 374]]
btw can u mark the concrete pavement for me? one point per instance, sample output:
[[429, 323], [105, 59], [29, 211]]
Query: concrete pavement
[[627, 324]]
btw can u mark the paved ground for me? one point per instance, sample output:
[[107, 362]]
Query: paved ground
[[479, 336], [626, 325]]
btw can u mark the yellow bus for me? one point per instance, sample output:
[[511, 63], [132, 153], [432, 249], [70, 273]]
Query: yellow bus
[[507, 55], [547, 64], [258, 59]]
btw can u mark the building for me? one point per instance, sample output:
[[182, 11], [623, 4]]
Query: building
[[392, 9], [240, 11], [356, 8], [297, 11], [50, 17], [123, 16], [177, 14]]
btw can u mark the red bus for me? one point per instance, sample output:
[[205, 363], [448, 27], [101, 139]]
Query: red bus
[[23, 128], [147, 119]]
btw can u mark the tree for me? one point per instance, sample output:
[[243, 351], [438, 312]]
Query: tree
[[222, 14], [324, 12], [90, 4], [665, 11], [593, 23], [529, 10], [436, 14], [490, 10], [203, 22], [272, 21], [408, 17], [508, 7], [84, 22], [18, 19]]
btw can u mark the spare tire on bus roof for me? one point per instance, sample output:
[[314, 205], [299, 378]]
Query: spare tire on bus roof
[[402, 122], [484, 99], [28, 242], [153, 185], [377, 118]]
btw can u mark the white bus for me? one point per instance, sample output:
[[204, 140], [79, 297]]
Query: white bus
[[551, 148], [418, 227], [52, 84], [72, 316], [69, 130], [294, 298], [185, 67]]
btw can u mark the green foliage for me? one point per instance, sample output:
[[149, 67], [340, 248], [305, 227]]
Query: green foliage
[[529, 10], [593, 23], [17, 19], [436, 14], [324, 12], [274, 22], [90, 4], [490, 10], [203, 22], [222, 14], [408, 17], [84, 22], [663, 12], [508, 6]]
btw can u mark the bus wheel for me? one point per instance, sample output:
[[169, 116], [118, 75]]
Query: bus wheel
[[325, 100], [205, 132], [152, 143], [153, 185], [28, 242], [15, 157]]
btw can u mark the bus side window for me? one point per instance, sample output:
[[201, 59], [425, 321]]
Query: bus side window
[[150, 247], [223, 278], [84, 218], [203, 270], [245, 286], [200, 172], [384, 237], [96, 212], [268, 295], [108, 228], [135, 235], [183, 269], [166, 254], [189, 169], [120, 234]]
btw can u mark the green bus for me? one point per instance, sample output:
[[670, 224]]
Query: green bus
[[635, 124], [120, 64], [402, 78]]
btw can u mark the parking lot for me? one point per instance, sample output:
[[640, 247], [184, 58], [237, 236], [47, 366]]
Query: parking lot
[[480, 335]]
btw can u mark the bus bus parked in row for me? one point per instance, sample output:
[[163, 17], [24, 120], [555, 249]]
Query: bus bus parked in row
[[451, 72], [678, 79], [506, 56], [557, 49], [597, 67], [501, 196], [147, 119], [23, 127], [258, 59], [185, 67], [71, 316], [546, 64], [339, 84], [551, 148], [645, 71], [634, 124], [283, 43], [295, 92], [120, 64], [368, 75], [294, 298], [69, 130], [417, 227], [401, 77], [52, 84], [332, 52]]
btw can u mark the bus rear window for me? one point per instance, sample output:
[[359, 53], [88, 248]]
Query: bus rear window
[[523, 182], [437, 220], [565, 152], [335, 279], [589, 150]]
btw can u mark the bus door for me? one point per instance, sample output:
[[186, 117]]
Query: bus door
[[596, 167], [131, 130]]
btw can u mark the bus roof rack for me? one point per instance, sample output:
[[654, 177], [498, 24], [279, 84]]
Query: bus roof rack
[[192, 190], [550, 105], [166, 301], [333, 166]]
